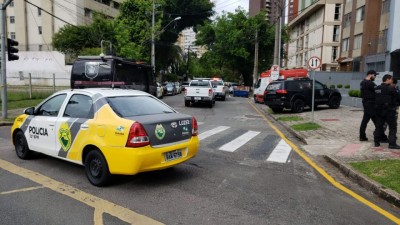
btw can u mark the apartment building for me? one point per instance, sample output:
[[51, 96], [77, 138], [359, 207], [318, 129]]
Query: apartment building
[[273, 8], [186, 42], [393, 44], [33, 22], [365, 35], [315, 31]]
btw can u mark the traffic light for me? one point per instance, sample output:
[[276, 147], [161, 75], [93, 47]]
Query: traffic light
[[11, 49]]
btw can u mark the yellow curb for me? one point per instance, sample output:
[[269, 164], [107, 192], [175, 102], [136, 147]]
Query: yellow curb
[[325, 174]]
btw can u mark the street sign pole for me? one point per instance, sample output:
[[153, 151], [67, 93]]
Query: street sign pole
[[313, 63]]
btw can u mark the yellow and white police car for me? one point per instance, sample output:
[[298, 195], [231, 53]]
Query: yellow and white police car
[[109, 131]]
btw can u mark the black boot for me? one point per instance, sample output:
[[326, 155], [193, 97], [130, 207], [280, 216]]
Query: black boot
[[395, 146], [377, 144]]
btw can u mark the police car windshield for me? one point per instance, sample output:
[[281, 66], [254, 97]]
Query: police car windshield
[[127, 106], [274, 86]]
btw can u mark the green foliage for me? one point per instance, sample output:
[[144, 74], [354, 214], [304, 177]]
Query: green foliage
[[339, 86], [354, 93], [347, 86], [233, 54], [386, 172], [332, 86]]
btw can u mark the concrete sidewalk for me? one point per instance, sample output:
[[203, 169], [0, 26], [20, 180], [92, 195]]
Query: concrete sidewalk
[[338, 142]]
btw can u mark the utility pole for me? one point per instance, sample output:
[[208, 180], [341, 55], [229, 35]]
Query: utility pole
[[255, 68], [278, 21], [3, 59], [153, 52], [187, 65]]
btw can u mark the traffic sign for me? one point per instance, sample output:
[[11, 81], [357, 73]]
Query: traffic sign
[[275, 72], [314, 63]]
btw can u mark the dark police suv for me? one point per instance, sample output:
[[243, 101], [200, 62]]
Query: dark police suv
[[112, 71], [296, 94]]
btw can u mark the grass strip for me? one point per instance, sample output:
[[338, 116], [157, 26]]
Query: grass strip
[[290, 118], [305, 126], [385, 172]]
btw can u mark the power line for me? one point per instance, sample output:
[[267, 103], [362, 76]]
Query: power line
[[49, 13]]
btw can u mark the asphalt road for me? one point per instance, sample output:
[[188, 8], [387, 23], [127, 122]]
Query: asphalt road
[[231, 181]]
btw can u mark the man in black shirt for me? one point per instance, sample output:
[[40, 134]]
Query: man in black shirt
[[367, 88], [385, 98]]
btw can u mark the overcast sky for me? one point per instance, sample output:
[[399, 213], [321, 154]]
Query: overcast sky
[[230, 5]]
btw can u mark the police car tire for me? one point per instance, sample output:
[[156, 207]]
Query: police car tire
[[334, 102], [96, 168], [21, 146], [298, 106]]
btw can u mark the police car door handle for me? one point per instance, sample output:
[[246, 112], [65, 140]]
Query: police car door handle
[[84, 126], [51, 124]]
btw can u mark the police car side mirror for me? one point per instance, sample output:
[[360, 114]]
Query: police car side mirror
[[29, 111]]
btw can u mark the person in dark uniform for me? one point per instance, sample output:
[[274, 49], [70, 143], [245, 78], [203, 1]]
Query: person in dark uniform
[[385, 111], [367, 88]]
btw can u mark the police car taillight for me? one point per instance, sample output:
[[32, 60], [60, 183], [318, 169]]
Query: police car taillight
[[137, 136], [195, 127], [210, 92], [281, 91], [185, 91]]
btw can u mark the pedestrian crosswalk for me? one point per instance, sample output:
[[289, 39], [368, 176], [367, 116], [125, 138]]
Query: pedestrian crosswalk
[[264, 145]]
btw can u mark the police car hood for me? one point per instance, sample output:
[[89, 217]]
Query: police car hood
[[166, 128]]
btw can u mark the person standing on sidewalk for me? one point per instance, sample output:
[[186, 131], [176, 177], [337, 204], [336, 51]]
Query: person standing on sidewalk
[[385, 96], [367, 88]]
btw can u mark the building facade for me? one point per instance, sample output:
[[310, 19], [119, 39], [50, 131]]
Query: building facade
[[315, 31], [33, 23], [365, 37], [186, 42], [273, 8]]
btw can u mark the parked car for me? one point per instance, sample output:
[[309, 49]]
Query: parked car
[[178, 87], [220, 89], [171, 88], [184, 85], [105, 131], [296, 94], [160, 90]]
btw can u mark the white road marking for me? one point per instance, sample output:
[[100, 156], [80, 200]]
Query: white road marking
[[209, 133], [280, 153], [239, 141]]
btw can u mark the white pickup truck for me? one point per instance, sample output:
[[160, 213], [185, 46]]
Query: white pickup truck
[[200, 91], [220, 89]]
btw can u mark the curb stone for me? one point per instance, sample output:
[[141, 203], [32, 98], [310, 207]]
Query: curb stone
[[365, 182]]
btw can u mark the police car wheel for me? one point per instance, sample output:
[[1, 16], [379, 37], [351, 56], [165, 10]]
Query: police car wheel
[[96, 168], [298, 106], [334, 102], [21, 146]]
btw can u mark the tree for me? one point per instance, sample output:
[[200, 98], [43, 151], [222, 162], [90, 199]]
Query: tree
[[233, 54], [73, 39]]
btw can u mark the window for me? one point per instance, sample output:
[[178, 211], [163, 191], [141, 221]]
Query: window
[[357, 41], [128, 106], [385, 6], [12, 35], [334, 53], [39, 11], [79, 106], [349, 1], [40, 47], [11, 4], [40, 29], [360, 14], [346, 20], [12, 19], [337, 12], [336, 33], [383, 38], [345, 45], [52, 106]]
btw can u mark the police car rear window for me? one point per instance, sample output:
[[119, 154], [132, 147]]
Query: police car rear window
[[200, 83], [274, 86], [128, 106]]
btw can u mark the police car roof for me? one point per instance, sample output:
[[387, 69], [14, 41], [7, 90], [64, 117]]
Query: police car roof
[[108, 92]]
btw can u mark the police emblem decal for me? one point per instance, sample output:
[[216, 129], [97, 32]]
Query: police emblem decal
[[64, 136], [160, 132], [91, 69]]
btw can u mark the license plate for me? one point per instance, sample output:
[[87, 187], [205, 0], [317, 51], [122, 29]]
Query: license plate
[[172, 155], [197, 98]]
